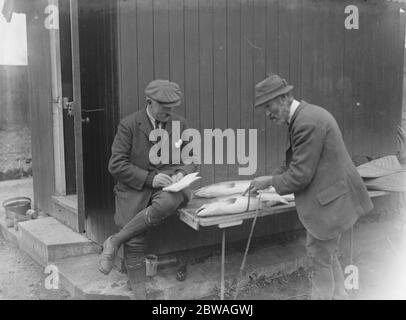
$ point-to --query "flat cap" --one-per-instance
(165, 92)
(270, 88)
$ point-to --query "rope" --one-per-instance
(247, 246)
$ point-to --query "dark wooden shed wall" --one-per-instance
(218, 50)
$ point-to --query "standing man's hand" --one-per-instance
(177, 176)
(260, 183)
(161, 180)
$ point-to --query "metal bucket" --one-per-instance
(151, 264)
(16, 206)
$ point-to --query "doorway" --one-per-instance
(84, 76)
(63, 30)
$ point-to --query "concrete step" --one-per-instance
(80, 276)
(47, 240)
(65, 209)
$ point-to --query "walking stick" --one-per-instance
(247, 246)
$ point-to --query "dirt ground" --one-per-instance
(381, 277)
(23, 279)
(381, 267)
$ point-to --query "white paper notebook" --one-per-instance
(183, 183)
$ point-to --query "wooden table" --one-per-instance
(188, 216)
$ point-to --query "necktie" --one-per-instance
(159, 124)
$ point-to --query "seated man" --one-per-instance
(140, 201)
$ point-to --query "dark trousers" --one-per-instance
(132, 235)
(327, 276)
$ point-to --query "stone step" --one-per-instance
(47, 240)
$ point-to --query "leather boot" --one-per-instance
(135, 265)
(136, 226)
(108, 256)
(133, 228)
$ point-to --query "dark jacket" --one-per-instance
(130, 165)
(329, 193)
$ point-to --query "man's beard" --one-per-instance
(283, 116)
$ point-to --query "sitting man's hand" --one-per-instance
(260, 183)
(177, 176)
(161, 180)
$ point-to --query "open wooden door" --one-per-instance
(76, 110)
(95, 108)
(62, 22)
(85, 78)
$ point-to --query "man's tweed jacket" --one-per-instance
(329, 193)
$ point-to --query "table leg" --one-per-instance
(223, 255)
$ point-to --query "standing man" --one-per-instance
(140, 201)
(329, 193)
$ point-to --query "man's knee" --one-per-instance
(319, 254)
(136, 244)
(167, 201)
(321, 251)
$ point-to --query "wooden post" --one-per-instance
(57, 111)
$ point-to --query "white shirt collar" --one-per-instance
(152, 119)
(293, 107)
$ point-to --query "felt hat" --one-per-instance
(270, 88)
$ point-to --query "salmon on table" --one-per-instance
(238, 204)
(225, 188)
